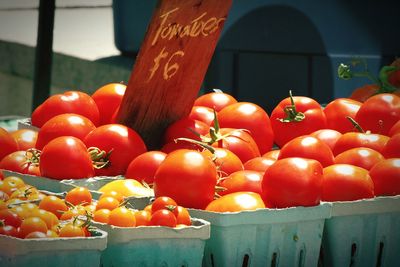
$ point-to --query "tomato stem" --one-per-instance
(355, 124)
(100, 158)
(292, 115)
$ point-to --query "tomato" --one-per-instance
(242, 181)
(379, 113)
(20, 161)
(163, 217)
(394, 78)
(182, 171)
(296, 116)
(142, 217)
(260, 164)
(109, 203)
(203, 114)
(72, 230)
(25, 138)
(225, 160)
(36, 234)
(360, 156)
(66, 157)
(54, 205)
(328, 136)
(308, 147)
(144, 166)
(392, 147)
(122, 217)
(364, 92)
(163, 202)
(272, 154)
(355, 139)
(7, 143)
(72, 214)
(114, 194)
(126, 187)
(185, 128)
(292, 182)
(338, 110)
(179, 144)
(48, 217)
(102, 215)
(121, 145)
(8, 230)
(32, 224)
(345, 182)
(251, 117)
(395, 129)
(9, 217)
(51, 234)
(79, 196)
(64, 125)
(216, 100)
(68, 102)
(8, 186)
(238, 201)
(108, 99)
(183, 216)
(386, 177)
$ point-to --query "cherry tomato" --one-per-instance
(54, 205)
(225, 160)
(238, 201)
(102, 215)
(184, 169)
(183, 216)
(20, 161)
(355, 139)
(122, 217)
(395, 129)
(8, 230)
(121, 144)
(48, 217)
(25, 138)
(71, 214)
(7, 143)
(242, 181)
(308, 147)
(142, 217)
(290, 120)
(364, 92)
(386, 177)
(109, 203)
(328, 136)
(36, 234)
(260, 164)
(215, 100)
(64, 125)
(292, 182)
(113, 194)
(108, 98)
(392, 147)
(32, 224)
(379, 113)
(360, 156)
(72, 230)
(251, 117)
(338, 110)
(163, 202)
(126, 187)
(10, 218)
(79, 196)
(8, 186)
(66, 157)
(185, 128)
(163, 217)
(144, 166)
(203, 114)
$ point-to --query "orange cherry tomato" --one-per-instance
(238, 201)
(122, 217)
(32, 224)
(79, 196)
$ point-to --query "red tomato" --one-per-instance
(290, 120)
(121, 144)
(67, 124)
(225, 160)
(7, 143)
(10, 218)
(180, 173)
(251, 117)
(392, 147)
(183, 216)
(386, 177)
(394, 78)
(179, 144)
(8, 230)
(108, 98)
(215, 100)
(203, 114)
(163, 218)
(364, 92)
(25, 138)
(338, 110)
(238, 201)
(360, 156)
(344, 182)
(260, 164)
(379, 113)
(163, 202)
(20, 161)
(65, 157)
(292, 182)
(68, 102)
(395, 129)
(327, 136)
(144, 166)
(185, 128)
(351, 140)
(242, 181)
(272, 154)
(308, 147)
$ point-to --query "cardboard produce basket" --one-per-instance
(265, 237)
(363, 233)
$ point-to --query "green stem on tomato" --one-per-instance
(292, 115)
(355, 124)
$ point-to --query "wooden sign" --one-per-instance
(171, 65)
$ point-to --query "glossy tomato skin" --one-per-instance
(122, 142)
(260, 164)
(336, 112)
(355, 139)
(18, 161)
(249, 116)
(345, 182)
(203, 114)
(395, 129)
(7, 143)
(292, 182)
(68, 102)
(242, 181)
(392, 147)
(308, 147)
(108, 99)
(225, 161)
(67, 124)
(144, 166)
(65, 157)
(364, 92)
(379, 113)
(25, 138)
(359, 156)
(238, 201)
(215, 100)
(328, 136)
(182, 171)
(185, 127)
(285, 131)
(386, 177)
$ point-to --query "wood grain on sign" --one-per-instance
(171, 65)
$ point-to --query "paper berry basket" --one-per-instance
(265, 237)
(363, 233)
